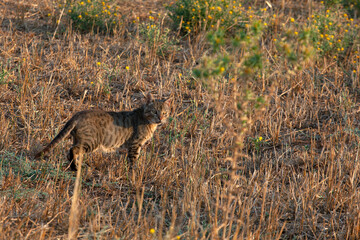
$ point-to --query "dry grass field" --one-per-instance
(262, 141)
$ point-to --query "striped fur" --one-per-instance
(97, 129)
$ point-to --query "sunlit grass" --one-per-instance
(262, 141)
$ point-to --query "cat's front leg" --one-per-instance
(133, 154)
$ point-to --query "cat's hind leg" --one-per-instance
(74, 152)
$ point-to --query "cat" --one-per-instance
(97, 129)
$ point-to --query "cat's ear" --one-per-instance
(167, 101)
(149, 98)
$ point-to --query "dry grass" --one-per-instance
(301, 183)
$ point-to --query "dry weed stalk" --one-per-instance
(74, 217)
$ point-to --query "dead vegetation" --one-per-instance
(299, 182)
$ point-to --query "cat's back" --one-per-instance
(100, 118)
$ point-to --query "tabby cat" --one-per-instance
(97, 129)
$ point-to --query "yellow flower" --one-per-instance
(193, 9)
(103, 3)
(292, 19)
(152, 231)
(275, 40)
(127, 68)
(92, 83)
(335, 57)
(88, 1)
(265, 24)
(209, 17)
(98, 63)
(231, 12)
(80, 16)
(354, 71)
(115, 14)
(69, 11)
(96, 15)
(260, 139)
(219, 9)
(177, 237)
(49, 14)
(81, 3)
(222, 69)
(296, 33)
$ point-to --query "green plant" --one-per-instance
(3, 75)
(157, 37)
(92, 15)
(195, 15)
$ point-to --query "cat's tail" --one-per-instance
(65, 131)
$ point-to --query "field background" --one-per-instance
(254, 149)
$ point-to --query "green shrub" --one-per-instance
(195, 15)
(157, 37)
(91, 15)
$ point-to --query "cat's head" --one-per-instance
(156, 111)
